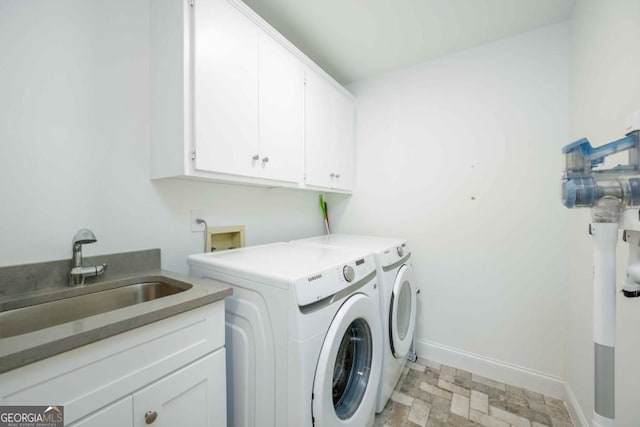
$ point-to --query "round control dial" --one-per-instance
(400, 251)
(348, 273)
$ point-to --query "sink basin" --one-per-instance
(40, 316)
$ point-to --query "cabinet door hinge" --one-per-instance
(193, 153)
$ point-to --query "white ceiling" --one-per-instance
(357, 39)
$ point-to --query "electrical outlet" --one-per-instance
(195, 214)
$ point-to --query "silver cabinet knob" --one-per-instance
(150, 417)
(265, 159)
(337, 175)
(255, 157)
(332, 174)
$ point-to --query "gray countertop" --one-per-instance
(30, 347)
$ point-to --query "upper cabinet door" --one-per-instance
(344, 142)
(329, 138)
(225, 89)
(281, 114)
(319, 132)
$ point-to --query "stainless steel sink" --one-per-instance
(44, 315)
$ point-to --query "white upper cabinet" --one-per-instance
(249, 93)
(329, 137)
(228, 102)
(344, 142)
(225, 89)
(318, 131)
(281, 113)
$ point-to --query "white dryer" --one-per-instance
(303, 334)
(398, 295)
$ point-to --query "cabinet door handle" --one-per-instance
(332, 174)
(337, 175)
(150, 417)
(255, 157)
(265, 160)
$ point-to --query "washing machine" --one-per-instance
(303, 334)
(398, 296)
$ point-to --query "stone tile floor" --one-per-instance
(430, 394)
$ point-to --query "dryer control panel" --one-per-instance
(394, 254)
(324, 284)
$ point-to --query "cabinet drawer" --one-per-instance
(193, 396)
(116, 414)
(93, 376)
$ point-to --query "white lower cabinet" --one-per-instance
(117, 414)
(169, 373)
(194, 396)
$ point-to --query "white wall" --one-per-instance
(605, 86)
(462, 156)
(74, 144)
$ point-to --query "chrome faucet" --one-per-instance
(78, 272)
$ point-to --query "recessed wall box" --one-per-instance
(223, 238)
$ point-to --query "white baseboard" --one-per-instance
(494, 369)
(579, 420)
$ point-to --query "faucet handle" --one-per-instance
(78, 274)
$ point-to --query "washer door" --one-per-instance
(348, 370)
(402, 312)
